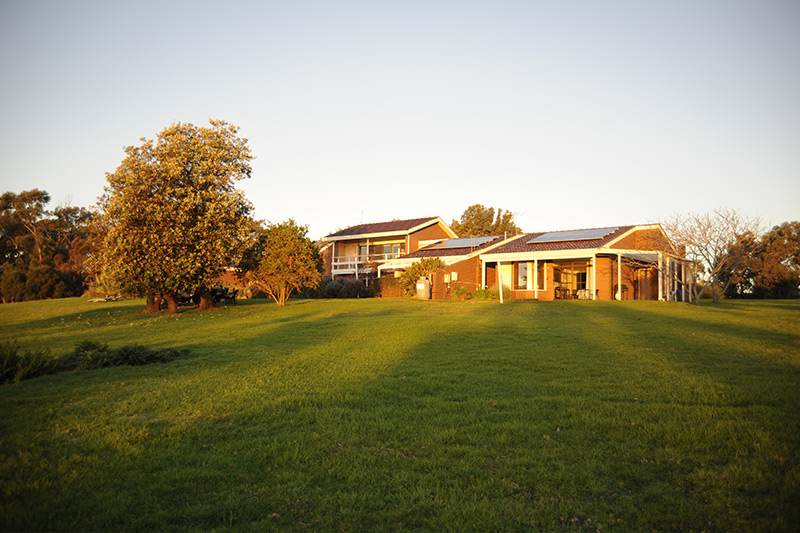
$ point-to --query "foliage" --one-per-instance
(171, 219)
(387, 287)
(17, 364)
(41, 252)
(707, 239)
(426, 266)
(377, 415)
(771, 265)
(91, 354)
(480, 221)
(346, 288)
(484, 294)
(460, 294)
(281, 261)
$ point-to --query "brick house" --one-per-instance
(624, 263)
(360, 250)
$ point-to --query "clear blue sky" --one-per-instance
(571, 114)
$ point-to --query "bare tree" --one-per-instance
(707, 239)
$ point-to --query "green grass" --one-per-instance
(406, 415)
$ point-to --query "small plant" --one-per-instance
(484, 294)
(89, 354)
(17, 365)
(460, 294)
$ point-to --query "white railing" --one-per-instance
(351, 262)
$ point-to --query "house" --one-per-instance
(462, 257)
(359, 250)
(623, 263)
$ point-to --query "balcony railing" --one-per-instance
(352, 262)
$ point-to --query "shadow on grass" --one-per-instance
(404, 416)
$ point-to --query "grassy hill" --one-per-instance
(406, 415)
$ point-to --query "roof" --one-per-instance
(522, 243)
(436, 249)
(401, 227)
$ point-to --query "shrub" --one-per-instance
(346, 288)
(424, 267)
(460, 293)
(484, 294)
(89, 354)
(506, 293)
(16, 364)
(387, 287)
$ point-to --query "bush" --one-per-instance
(89, 354)
(484, 294)
(460, 294)
(16, 364)
(506, 293)
(346, 288)
(387, 287)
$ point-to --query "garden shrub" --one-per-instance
(460, 293)
(387, 287)
(17, 364)
(484, 294)
(346, 288)
(89, 354)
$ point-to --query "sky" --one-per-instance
(575, 114)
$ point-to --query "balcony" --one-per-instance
(351, 264)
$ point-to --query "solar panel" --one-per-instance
(466, 242)
(573, 235)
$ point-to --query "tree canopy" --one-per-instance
(770, 266)
(281, 261)
(171, 217)
(41, 251)
(480, 221)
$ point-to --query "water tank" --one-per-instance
(423, 288)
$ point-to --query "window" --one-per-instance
(520, 275)
(580, 278)
(397, 249)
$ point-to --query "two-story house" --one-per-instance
(358, 250)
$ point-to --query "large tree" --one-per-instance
(771, 266)
(281, 261)
(480, 221)
(41, 251)
(172, 219)
(707, 239)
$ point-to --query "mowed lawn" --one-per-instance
(392, 415)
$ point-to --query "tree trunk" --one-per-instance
(206, 300)
(172, 304)
(153, 303)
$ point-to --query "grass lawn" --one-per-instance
(406, 415)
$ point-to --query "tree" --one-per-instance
(427, 266)
(771, 268)
(42, 252)
(281, 260)
(480, 221)
(171, 218)
(707, 239)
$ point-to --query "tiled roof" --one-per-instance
(448, 252)
(520, 244)
(399, 226)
